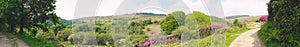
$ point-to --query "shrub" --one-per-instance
(282, 27)
(148, 29)
(170, 23)
(263, 18)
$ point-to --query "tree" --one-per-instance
(9, 13)
(236, 22)
(28, 13)
(197, 20)
(172, 21)
(282, 27)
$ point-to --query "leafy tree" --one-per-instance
(28, 13)
(282, 27)
(236, 22)
(136, 28)
(8, 11)
(169, 26)
(172, 21)
(64, 34)
(197, 20)
(196, 23)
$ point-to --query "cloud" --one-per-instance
(108, 7)
(65, 8)
(247, 7)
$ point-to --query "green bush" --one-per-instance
(64, 34)
(148, 29)
(282, 27)
(170, 23)
(104, 39)
(35, 42)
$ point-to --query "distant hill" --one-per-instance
(150, 14)
(236, 16)
(108, 18)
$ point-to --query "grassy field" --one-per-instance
(34, 42)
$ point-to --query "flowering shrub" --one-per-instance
(207, 30)
(148, 42)
(169, 39)
(263, 18)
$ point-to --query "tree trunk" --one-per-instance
(22, 19)
(12, 27)
(21, 29)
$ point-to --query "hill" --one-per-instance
(236, 16)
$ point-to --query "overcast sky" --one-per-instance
(65, 8)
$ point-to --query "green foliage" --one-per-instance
(136, 28)
(148, 29)
(172, 21)
(4, 27)
(147, 22)
(137, 38)
(64, 34)
(28, 14)
(202, 20)
(104, 39)
(197, 22)
(34, 42)
(282, 27)
(237, 23)
(169, 26)
(206, 42)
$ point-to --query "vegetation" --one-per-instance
(206, 42)
(33, 21)
(169, 23)
(36, 42)
(282, 27)
(237, 23)
(36, 23)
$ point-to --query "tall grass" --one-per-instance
(34, 42)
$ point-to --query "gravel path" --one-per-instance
(248, 39)
(9, 40)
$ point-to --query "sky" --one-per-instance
(65, 8)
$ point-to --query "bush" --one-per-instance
(148, 29)
(169, 26)
(282, 27)
(64, 34)
(170, 23)
(104, 39)
(263, 18)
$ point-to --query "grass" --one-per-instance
(263, 36)
(34, 42)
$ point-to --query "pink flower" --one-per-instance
(147, 43)
(263, 18)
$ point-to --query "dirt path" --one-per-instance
(248, 39)
(9, 40)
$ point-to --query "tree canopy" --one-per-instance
(28, 13)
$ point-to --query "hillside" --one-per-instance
(236, 16)
(108, 18)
